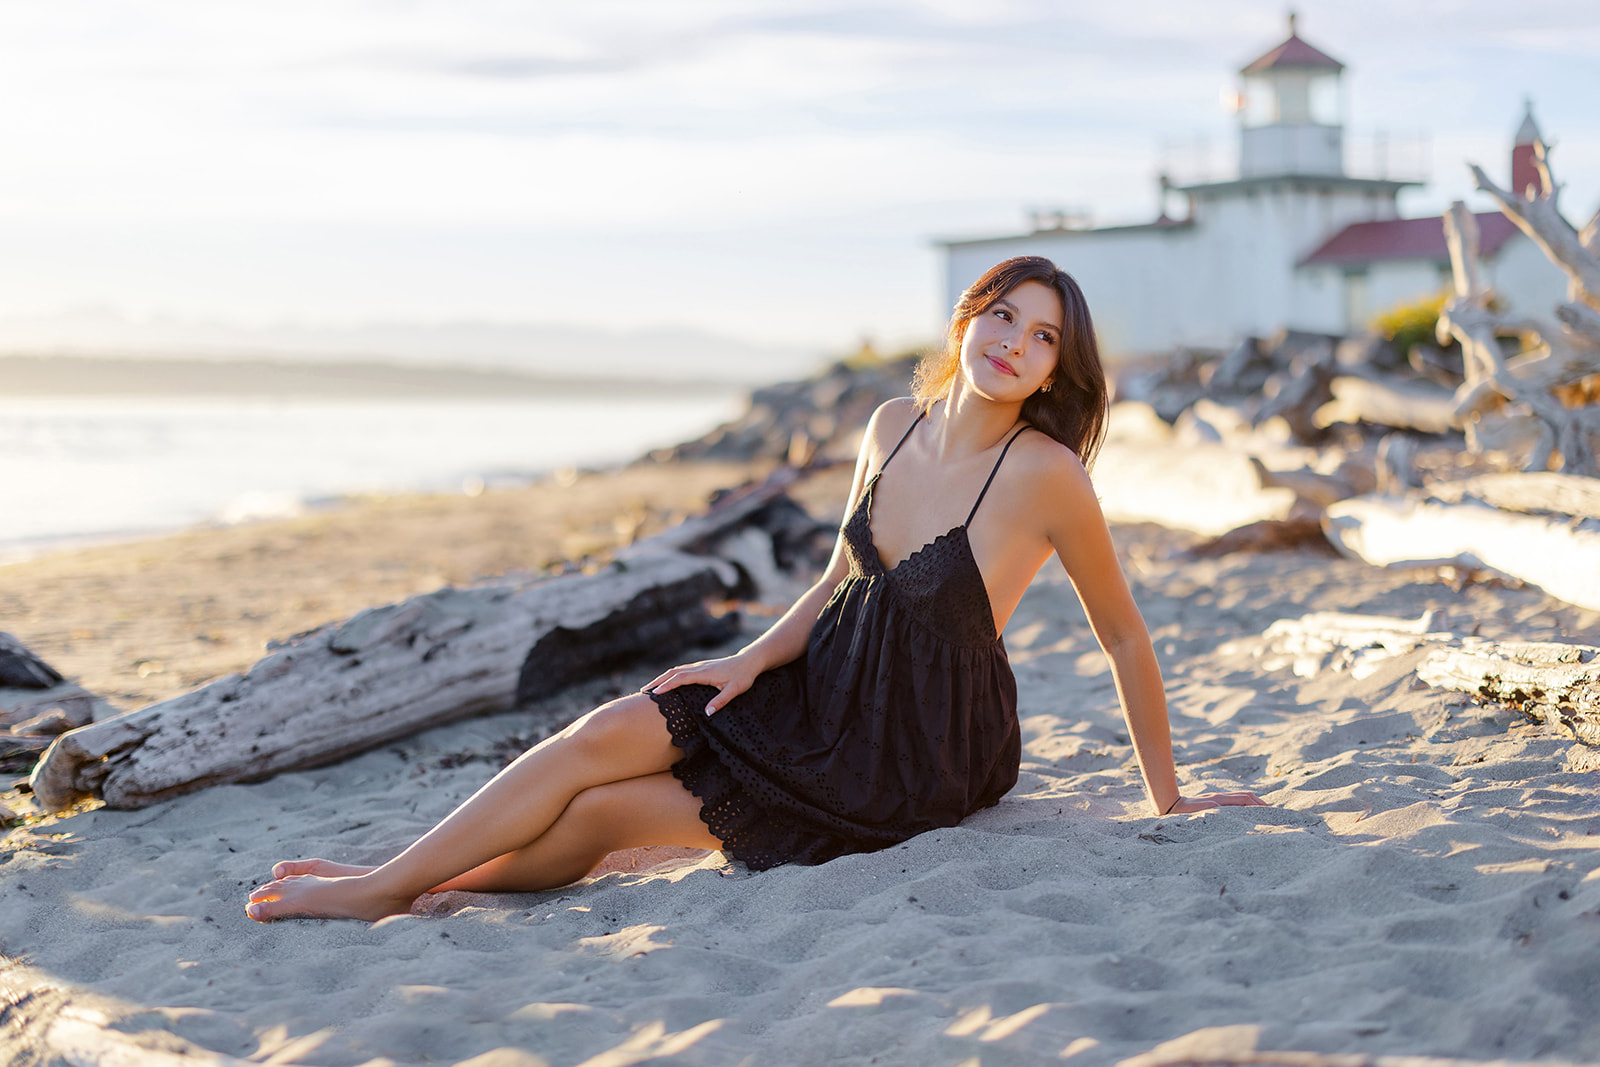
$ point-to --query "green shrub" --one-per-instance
(1412, 322)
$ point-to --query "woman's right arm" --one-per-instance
(786, 639)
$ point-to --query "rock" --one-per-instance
(1243, 370)
(821, 416)
(21, 669)
(8, 818)
(1442, 365)
(1295, 394)
(1368, 352)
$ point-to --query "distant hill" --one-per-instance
(541, 350)
(34, 376)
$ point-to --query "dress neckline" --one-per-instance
(958, 532)
(868, 498)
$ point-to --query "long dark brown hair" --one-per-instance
(1073, 409)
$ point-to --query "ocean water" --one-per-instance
(74, 469)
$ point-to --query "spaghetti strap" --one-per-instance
(904, 438)
(992, 473)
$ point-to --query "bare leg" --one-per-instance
(654, 809)
(621, 740)
(650, 810)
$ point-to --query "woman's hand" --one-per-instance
(731, 675)
(1207, 801)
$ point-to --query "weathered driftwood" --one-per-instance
(21, 707)
(1297, 394)
(696, 532)
(1533, 491)
(1314, 488)
(382, 674)
(1559, 353)
(1555, 683)
(1396, 464)
(1205, 488)
(1561, 556)
(1407, 405)
(1332, 640)
(1439, 365)
(391, 671)
(1209, 421)
(1267, 535)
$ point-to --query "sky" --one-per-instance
(772, 173)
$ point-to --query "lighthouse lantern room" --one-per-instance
(1290, 121)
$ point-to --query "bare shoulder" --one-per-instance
(890, 422)
(1046, 462)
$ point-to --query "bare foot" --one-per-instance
(325, 868)
(308, 896)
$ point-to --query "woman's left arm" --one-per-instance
(1077, 531)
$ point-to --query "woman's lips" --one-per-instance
(1003, 368)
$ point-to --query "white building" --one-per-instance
(1292, 241)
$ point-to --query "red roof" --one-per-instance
(1293, 53)
(1385, 239)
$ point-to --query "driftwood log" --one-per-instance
(1295, 395)
(1553, 682)
(1208, 489)
(1534, 492)
(1333, 640)
(1559, 555)
(391, 671)
(1422, 406)
(1557, 354)
(1317, 489)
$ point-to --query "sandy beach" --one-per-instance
(1425, 883)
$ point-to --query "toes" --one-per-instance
(265, 891)
(289, 867)
(265, 911)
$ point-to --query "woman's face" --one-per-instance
(1010, 350)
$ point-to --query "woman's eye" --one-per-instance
(1003, 314)
(1046, 338)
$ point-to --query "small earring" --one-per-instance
(1045, 388)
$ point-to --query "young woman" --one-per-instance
(881, 705)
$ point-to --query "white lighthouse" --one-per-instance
(1293, 239)
(1290, 121)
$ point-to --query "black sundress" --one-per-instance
(899, 718)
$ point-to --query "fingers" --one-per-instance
(728, 691)
(1207, 801)
(681, 675)
(691, 674)
(1240, 799)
